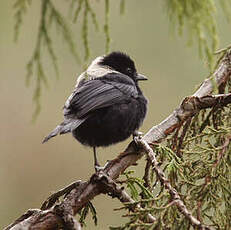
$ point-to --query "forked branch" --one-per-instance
(62, 214)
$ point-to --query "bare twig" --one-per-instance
(51, 200)
(114, 190)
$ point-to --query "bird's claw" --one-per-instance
(101, 168)
(98, 168)
(137, 136)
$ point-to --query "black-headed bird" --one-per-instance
(107, 105)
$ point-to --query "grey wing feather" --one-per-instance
(91, 105)
(96, 94)
(65, 127)
(91, 92)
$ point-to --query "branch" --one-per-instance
(81, 195)
(174, 120)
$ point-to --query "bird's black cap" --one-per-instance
(122, 63)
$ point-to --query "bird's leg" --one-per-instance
(96, 163)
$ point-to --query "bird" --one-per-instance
(107, 105)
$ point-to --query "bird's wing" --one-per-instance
(99, 93)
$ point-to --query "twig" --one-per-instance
(174, 194)
(50, 201)
(146, 174)
(185, 128)
(221, 153)
(223, 49)
(113, 190)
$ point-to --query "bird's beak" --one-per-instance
(141, 77)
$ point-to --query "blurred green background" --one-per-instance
(30, 171)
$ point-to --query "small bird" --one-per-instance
(107, 105)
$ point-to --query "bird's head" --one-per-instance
(122, 63)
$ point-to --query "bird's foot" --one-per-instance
(98, 168)
(101, 168)
(137, 136)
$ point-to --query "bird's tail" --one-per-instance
(65, 127)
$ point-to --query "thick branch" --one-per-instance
(190, 106)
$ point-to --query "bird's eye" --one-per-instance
(129, 70)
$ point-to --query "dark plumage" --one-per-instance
(107, 105)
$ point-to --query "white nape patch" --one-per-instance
(95, 70)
